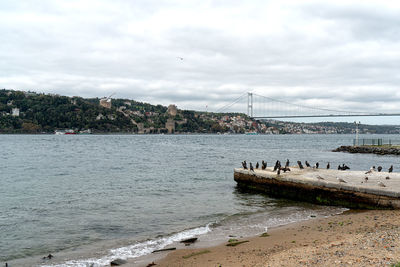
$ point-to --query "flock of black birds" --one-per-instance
(278, 166)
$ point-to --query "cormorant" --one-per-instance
(391, 168)
(339, 168)
(379, 168)
(316, 165)
(277, 165)
(308, 164)
(300, 165)
(251, 167)
(328, 166)
(287, 163)
(279, 171)
(244, 164)
(345, 167)
(263, 165)
(257, 165)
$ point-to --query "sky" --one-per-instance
(203, 55)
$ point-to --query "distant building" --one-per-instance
(105, 102)
(100, 117)
(170, 125)
(140, 128)
(172, 110)
(15, 112)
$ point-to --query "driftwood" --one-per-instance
(164, 249)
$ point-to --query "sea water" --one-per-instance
(89, 199)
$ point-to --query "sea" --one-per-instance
(90, 199)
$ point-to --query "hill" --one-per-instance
(30, 112)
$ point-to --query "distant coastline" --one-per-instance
(36, 113)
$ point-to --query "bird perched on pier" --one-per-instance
(279, 171)
(381, 184)
(244, 164)
(277, 165)
(285, 169)
(257, 165)
(287, 163)
(308, 164)
(341, 180)
(320, 178)
(328, 166)
(263, 165)
(345, 167)
(251, 167)
(300, 164)
(317, 165)
(387, 177)
(379, 168)
(391, 168)
(339, 167)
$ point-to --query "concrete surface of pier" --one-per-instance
(303, 184)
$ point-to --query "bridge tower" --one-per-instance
(250, 104)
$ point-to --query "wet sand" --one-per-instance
(362, 238)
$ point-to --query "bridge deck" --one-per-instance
(297, 182)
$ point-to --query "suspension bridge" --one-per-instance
(262, 107)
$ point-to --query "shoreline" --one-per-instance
(353, 238)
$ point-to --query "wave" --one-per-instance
(135, 250)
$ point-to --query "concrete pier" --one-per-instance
(303, 184)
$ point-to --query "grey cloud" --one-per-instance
(339, 55)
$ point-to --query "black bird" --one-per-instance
(308, 164)
(328, 166)
(286, 169)
(387, 178)
(316, 165)
(279, 171)
(257, 165)
(244, 164)
(287, 163)
(277, 165)
(251, 167)
(379, 168)
(300, 165)
(345, 167)
(339, 168)
(263, 165)
(391, 168)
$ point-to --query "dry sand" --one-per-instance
(365, 238)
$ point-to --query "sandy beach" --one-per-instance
(354, 238)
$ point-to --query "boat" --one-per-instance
(67, 131)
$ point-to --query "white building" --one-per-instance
(15, 112)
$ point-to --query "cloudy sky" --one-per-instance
(338, 55)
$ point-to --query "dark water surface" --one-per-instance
(125, 195)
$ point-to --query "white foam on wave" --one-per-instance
(135, 250)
